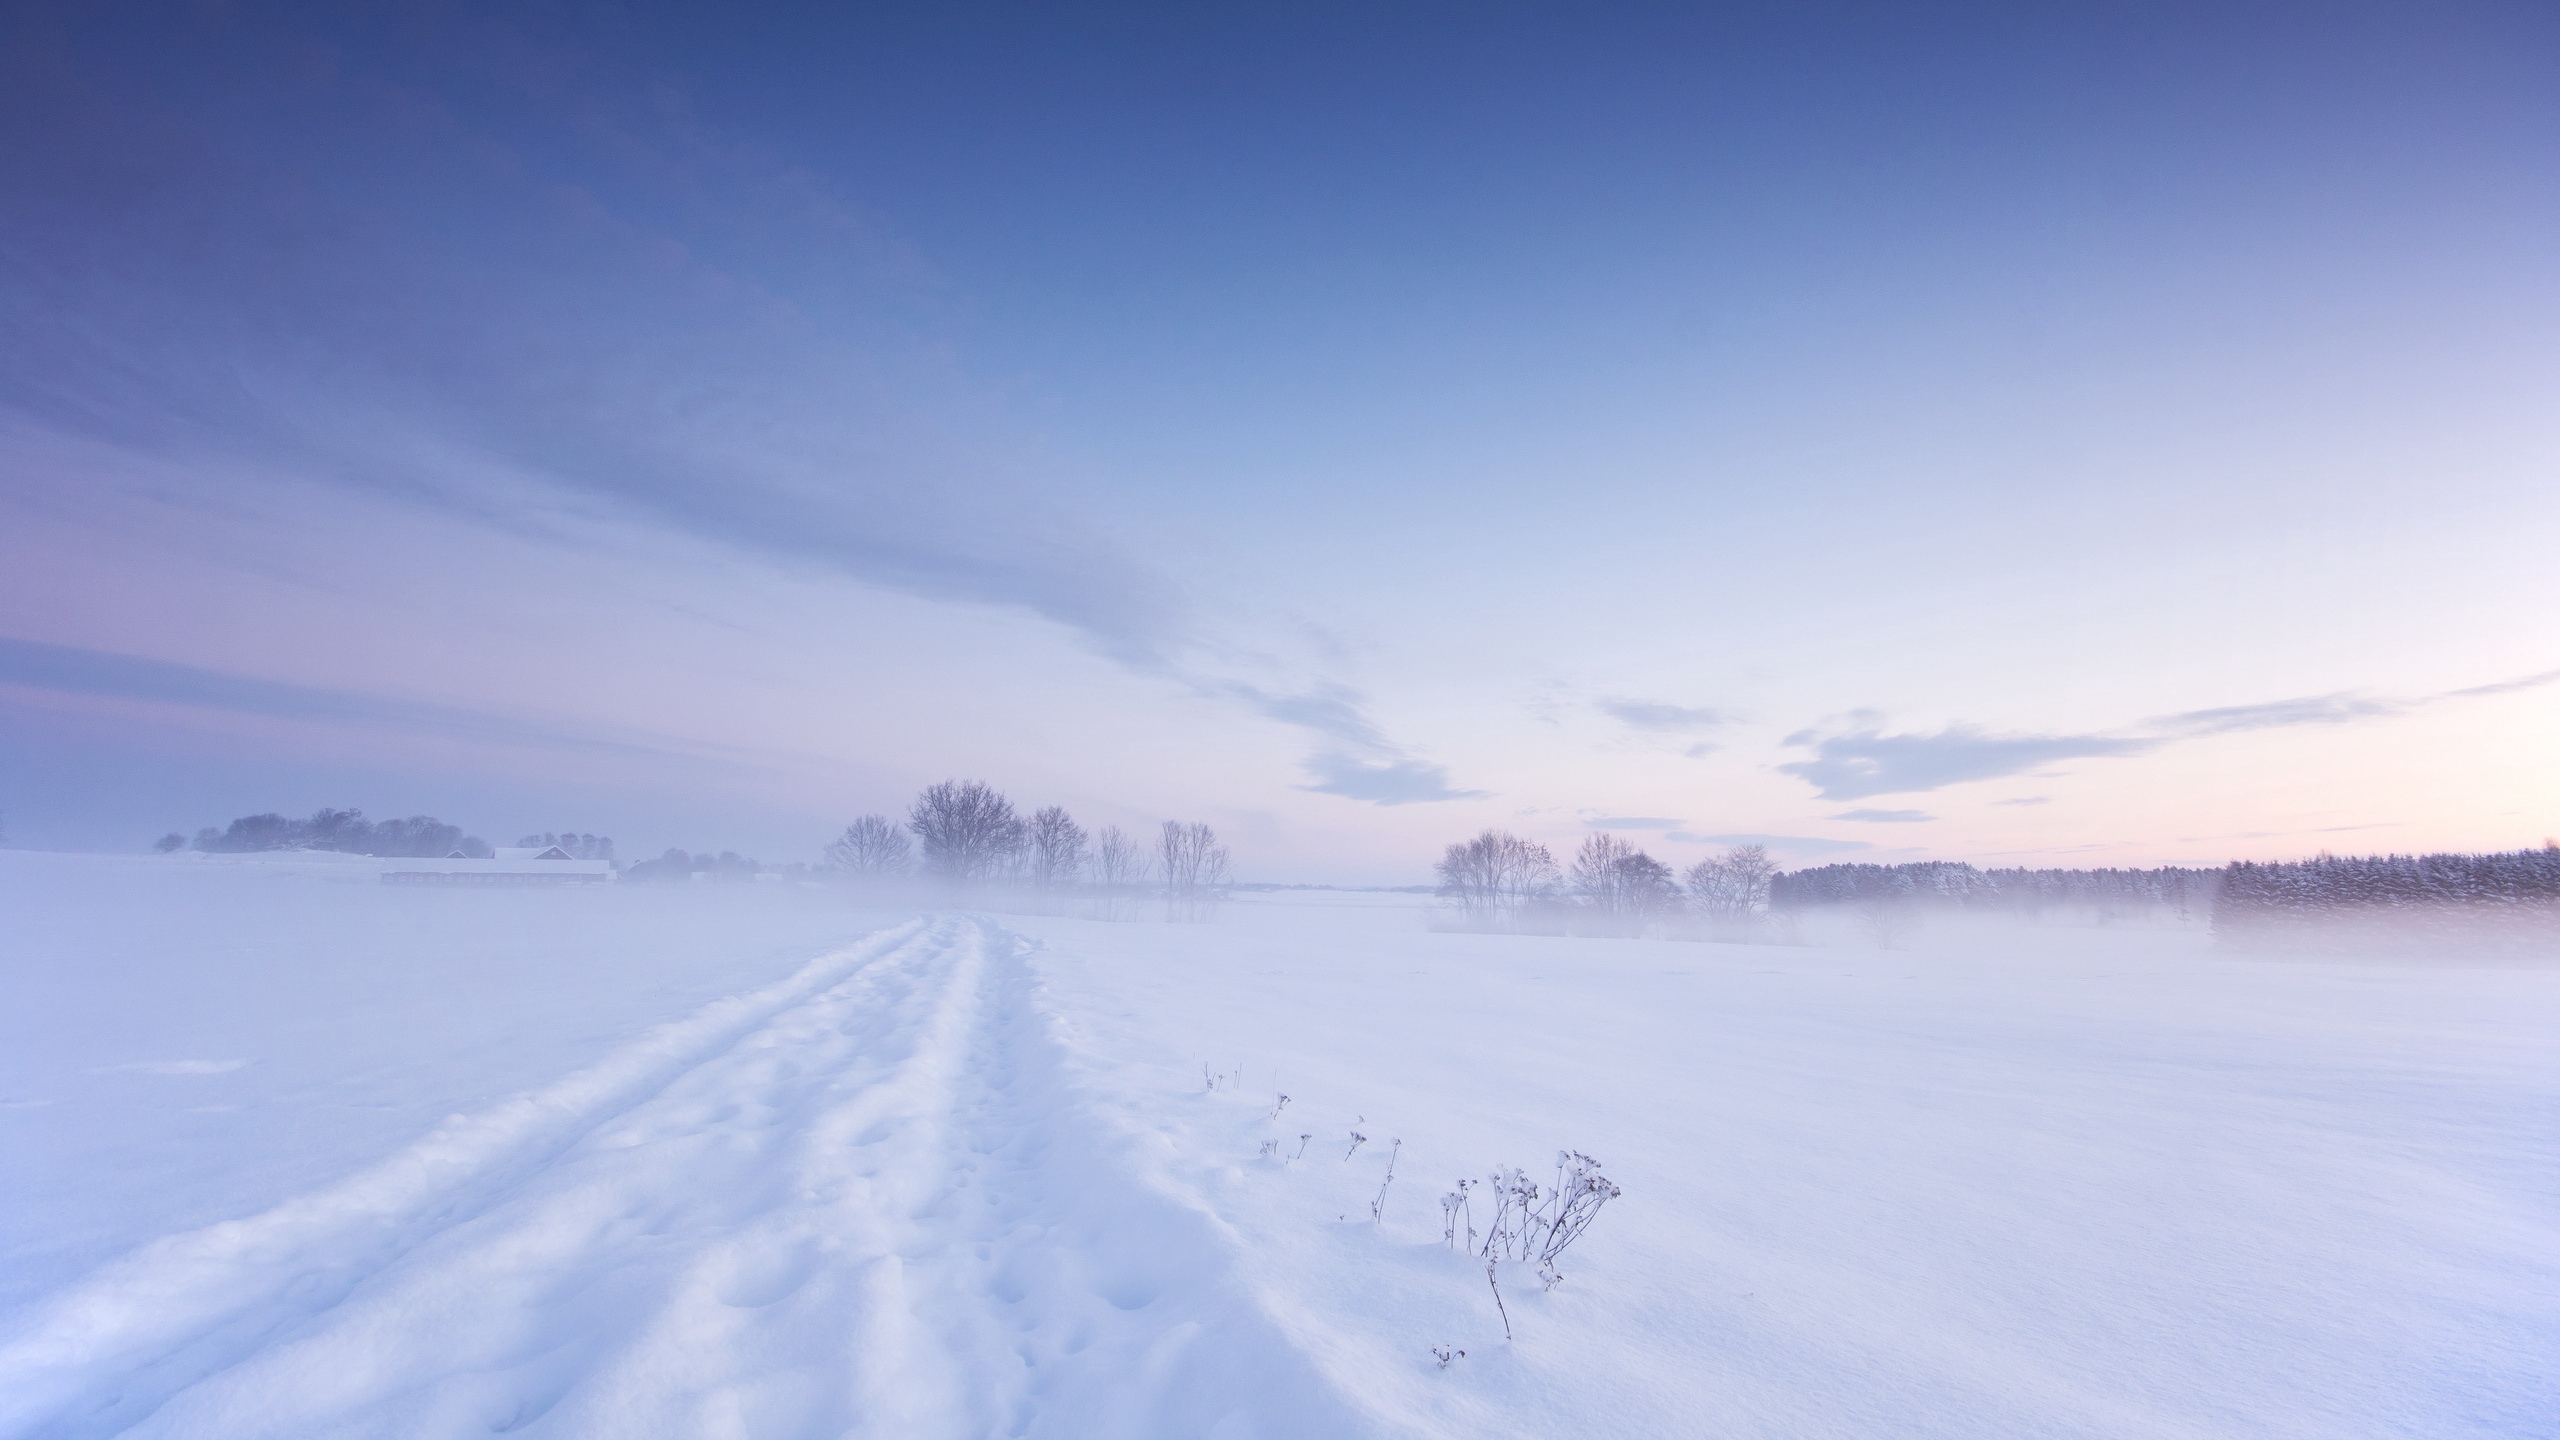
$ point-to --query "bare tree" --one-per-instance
(1492, 876)
(1057, 849)
(1621, 885)
(1195, 868)
(969, 832)
(1119, 866)
(1732, 889)
(1595, 870)
(871, 848)
(1750, 870)
(1117, 860)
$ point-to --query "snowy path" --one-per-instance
(861, 1201)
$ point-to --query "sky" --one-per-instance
(2045, 435)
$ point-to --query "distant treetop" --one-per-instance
(343, 831)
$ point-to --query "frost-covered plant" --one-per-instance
(1534, 1223)
(1302, 1145)
(1378, 1207)
(1575, 1202)
(1515, 1205)
(1455, 1207)
(1277, 1108)
(1357, 1140)
(1446, 1353)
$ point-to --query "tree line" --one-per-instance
(681, 867)
(965, 835)
(2329, 903)
(2509, 900)
(2516, 879)
(578, 846)
(2184, 891)
(343, 831)
(1499, 880)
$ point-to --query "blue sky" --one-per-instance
(2112, 435)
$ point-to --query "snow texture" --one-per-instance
(745, 1161)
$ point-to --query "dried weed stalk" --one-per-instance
(1378, 1207)
(1529, 1222)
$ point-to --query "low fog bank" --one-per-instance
(2504, 906)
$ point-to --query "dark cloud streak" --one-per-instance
(71, 670)
(414, 272)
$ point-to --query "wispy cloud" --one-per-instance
(2507, 687)
(1330, 709)
(1863, 761)
(170, 1067)
(2339, 709)
(1660, 716)
(1886, 817)
(1354, 759)
(1810, 845)
(1634, 822)
(2026, 800)
(1395, 782)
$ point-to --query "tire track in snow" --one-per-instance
(186, 1304)
(875, 1208)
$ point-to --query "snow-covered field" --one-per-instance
(289, 1153)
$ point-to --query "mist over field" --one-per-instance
(1114, 721)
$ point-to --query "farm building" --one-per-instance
(512, 865)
